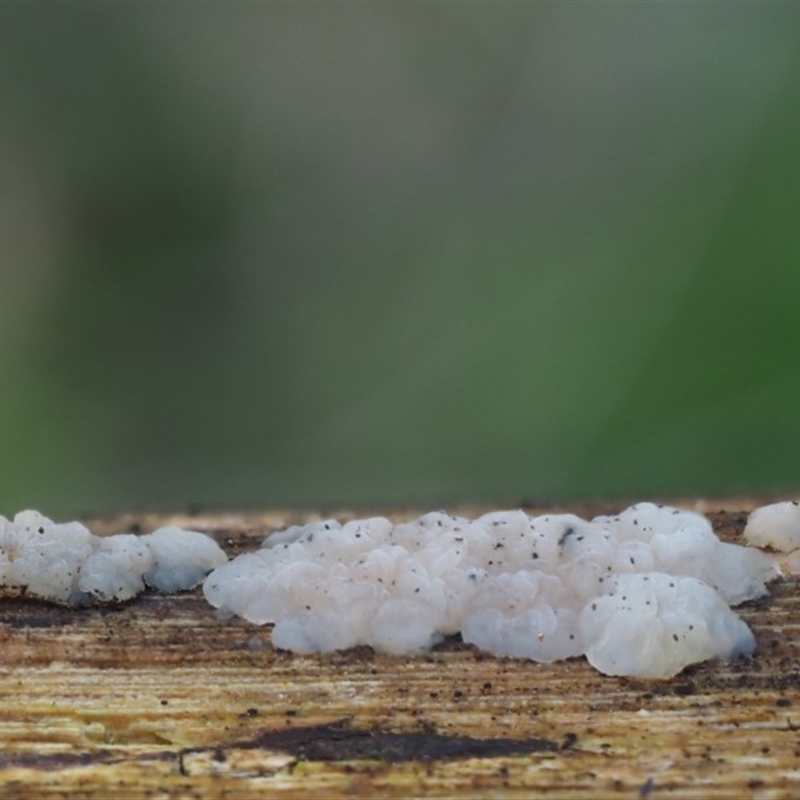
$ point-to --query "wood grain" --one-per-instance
(161, 698)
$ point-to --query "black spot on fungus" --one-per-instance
(570, 531)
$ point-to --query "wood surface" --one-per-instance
(162, 698)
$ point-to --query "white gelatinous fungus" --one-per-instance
(65, 563)
(652, 625)
(181, 559)
(776, 525)
(115, 570)
(642, 593)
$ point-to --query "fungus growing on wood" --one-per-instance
(65, 563)
(643, 593)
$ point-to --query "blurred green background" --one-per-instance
(349, 253)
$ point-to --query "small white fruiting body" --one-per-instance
(643, 593)
(776, 525)
(65, 563)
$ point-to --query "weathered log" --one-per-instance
(161, 697)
